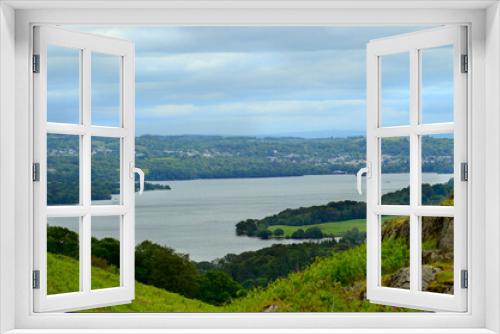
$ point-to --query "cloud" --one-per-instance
(254, 118)
(171, 40)
(247, 80)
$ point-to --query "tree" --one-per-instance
(264, 234)
(217, 287)
(107, 249)
(61, 240)
(299, 234)
(313, 233)
(163, 268)
(279, 232)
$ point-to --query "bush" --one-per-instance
(279, 232)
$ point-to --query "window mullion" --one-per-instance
(85, 174)
(415, 265)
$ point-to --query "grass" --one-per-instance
(61, 278)
(330, 284)
(336, 229)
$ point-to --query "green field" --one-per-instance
(336, 229)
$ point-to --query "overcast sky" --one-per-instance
(305, 81)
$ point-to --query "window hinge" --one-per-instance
(464, 279)
(36, 279)
(464, 171)
(36, 172)
(465, 63)
(36, 63)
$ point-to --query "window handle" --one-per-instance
(141, 179)
(134, 170)
(359, 177)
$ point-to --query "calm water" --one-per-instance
(198, 217)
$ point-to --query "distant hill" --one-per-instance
(202, 157)
(213, 157)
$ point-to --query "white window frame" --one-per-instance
(483, 18)
(412, 44)
(86, 44)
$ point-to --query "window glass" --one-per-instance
(63, 166)
(437, 254)
(395, 261)
(395, 90)
(437, 169)
(105, 252)
(63, 255)
(105, 170)
(63, 84)
(437, 86)
(395, 171)
(106, 89)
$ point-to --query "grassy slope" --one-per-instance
(147, 298)
(331, 228)
(333, 284)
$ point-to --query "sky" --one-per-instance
(258, 81)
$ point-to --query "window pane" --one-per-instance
(395, 90)
(395, 251)
(63, 169)
(105, 170)
(437, 254)
(106, 89)
(437, 84)
(105, 252)
(395, 171)
(437, 169)
(63, 84)
(63, 253)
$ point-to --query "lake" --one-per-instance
(198, 217)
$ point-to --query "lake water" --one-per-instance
(198, 217)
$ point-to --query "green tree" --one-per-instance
(217, 287)
(163, 268)
(61, 240)
(279, 232)
(299, 234)
(264, 234)
(313, 233)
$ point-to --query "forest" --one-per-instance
(203, 157)
(312, 220)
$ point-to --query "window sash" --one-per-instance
(412, 43)
(86, 297)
